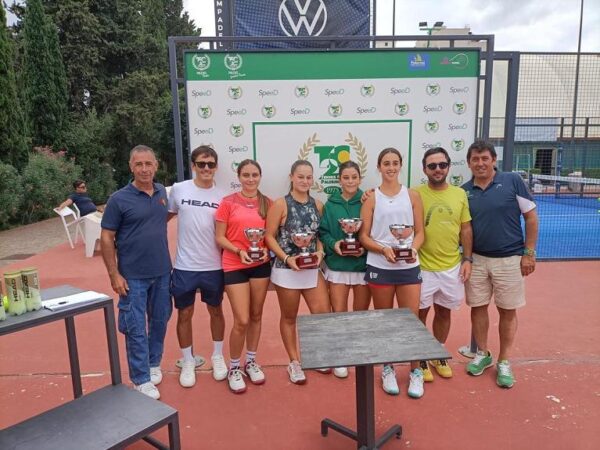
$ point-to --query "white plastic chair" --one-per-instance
(91, 225)
(74, 221)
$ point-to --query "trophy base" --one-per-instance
(403, 254)
(307, 262)
(350, 248)
(255, 255)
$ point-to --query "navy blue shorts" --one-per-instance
(386, 277)
(185, 283)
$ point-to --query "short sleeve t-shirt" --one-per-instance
(445, 212)
(197, 250)
(140, 224)
(496, 212)
(84, 204)
(239, 213)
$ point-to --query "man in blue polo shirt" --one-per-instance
(501, 257)
(135, 223)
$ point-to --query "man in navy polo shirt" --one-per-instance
(135, 223)
(501, 257)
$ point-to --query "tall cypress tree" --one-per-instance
(78, 35)
(44, 76)
(13, 146)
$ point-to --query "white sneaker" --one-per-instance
(219, 367)
(187, 376)
(296, 373)
(236, 380)
(155, 375)
(148, 389)
(388, 378)
(257, 376)
(340, 372)
(415, 387)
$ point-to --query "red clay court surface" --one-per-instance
(555, 403)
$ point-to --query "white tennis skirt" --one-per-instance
(295, 279)
(347, 278)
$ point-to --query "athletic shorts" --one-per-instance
(387, 277)
(184, 285)
(444, 288)
(500, 277)
(244, 275)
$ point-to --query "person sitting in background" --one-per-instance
(83, 202)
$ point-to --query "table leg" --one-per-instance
(73, 356)
(365, 407)
(113, 348)
(174, 441)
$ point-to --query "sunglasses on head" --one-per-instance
(442, 165)
(203, 164)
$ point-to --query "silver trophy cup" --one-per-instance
(302, 240)
(254, 235)
(402, 232)
(350, 246)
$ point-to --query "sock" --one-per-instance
(187, 353)
(217, 348)
(234, 364)
(250, 356)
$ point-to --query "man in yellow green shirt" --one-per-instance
(443, 268)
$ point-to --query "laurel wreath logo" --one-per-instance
(305, 152)
(361, 153)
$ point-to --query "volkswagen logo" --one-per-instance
(294, 15)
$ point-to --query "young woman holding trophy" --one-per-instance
(240, 228)
(345, 258)
(392, 232)
(292, 226)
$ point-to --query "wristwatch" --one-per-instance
(467, 258)
(529, 252)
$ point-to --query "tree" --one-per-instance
(13, 143)
(79, 40)
(44, 76)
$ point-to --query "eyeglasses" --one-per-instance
(203, 164)
(442, 165)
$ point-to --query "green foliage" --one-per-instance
(11, 195)
(13, 144)
(44, 76)
(88, 141)
(47, 182)
(79, 43)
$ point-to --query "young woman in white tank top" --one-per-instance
(393, 203)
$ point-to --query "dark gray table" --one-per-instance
(110, 417)
(362, 339)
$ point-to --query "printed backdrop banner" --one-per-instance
(328, 107)
(301, 18)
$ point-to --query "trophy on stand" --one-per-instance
(350, 246)
(254, 235)
(305, 259)
(402, 232)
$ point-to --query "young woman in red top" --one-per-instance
(246, 280)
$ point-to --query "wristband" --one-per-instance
(285, 259)
(467, 258)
